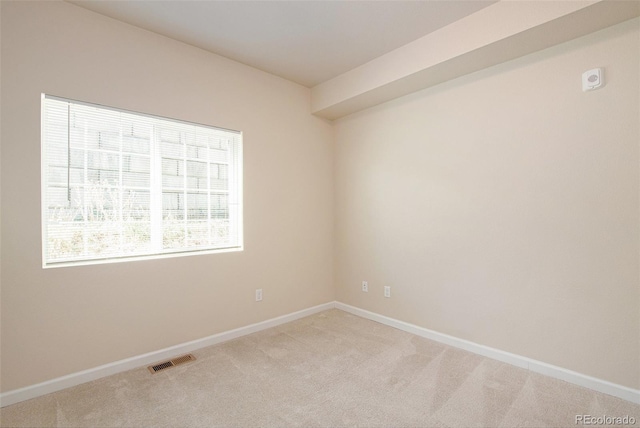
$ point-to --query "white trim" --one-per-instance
(600, 385)
(53, 385)
(33, 391)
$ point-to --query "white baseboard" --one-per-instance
(53, 385)
(33, 391)
(620, 391)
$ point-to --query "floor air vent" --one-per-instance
(168, 364)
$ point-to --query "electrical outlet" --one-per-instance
(259, 295)
(365, 286)
(387, 291)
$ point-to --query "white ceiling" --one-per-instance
(308, 42)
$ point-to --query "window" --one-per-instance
(118, 185)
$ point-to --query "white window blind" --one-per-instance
(117, 185)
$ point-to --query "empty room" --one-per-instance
(320, 213)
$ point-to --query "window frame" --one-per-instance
(156, 191)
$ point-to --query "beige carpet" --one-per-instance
(331, 369)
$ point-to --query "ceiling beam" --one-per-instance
(503, 31)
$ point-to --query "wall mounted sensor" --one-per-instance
(592, 79)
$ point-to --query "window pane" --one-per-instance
(197, 233)
(118, 184)
(173, 234)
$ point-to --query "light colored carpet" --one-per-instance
(331, 369)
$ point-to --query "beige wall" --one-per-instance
(502, 207)
(60, 321)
